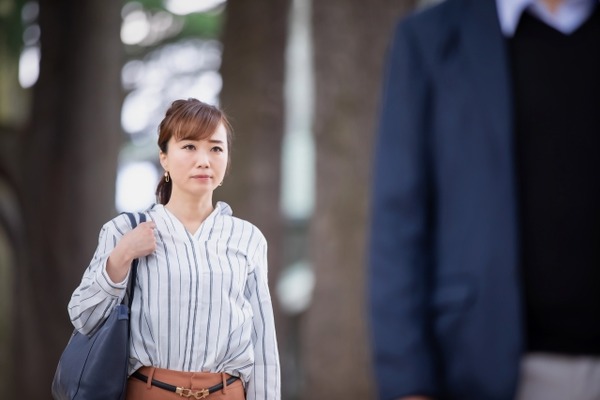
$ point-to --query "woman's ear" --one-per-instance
(162, 157)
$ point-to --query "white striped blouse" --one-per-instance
(201, 300)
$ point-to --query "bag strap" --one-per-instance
(134, 263)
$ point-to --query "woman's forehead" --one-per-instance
(220, 134)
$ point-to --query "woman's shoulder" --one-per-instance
(156, 210)
(240, 224)
(123, 222)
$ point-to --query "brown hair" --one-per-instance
(189, 119)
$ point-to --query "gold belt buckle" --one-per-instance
(197, 394)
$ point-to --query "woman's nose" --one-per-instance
(202, 160)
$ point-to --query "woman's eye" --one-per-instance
(217, 149)
(189, 147)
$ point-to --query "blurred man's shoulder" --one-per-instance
(436, 13)
(434, 25)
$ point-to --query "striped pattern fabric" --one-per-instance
(201, 300)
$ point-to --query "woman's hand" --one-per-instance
(136, 243)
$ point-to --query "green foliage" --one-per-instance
(152, 4)
(11, 26)
(205, 25)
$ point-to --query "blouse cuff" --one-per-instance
(107, 285)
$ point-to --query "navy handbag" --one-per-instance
(95, 367)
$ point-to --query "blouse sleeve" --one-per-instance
(97, 294)
(264, 383)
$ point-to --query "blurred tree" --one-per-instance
(65, 176)
(12, 102)
(253, 74)
(348, 71)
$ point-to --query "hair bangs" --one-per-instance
(196, 124)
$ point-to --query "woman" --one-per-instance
(201, 314)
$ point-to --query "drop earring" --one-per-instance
(167, 177)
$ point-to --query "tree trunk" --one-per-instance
(12, 100)
(68, 168)
(348, 71)
(252, 96)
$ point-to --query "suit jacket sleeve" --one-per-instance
(400, 238)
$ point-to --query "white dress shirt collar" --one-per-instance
(569, 16)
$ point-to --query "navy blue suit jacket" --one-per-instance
(444, 276)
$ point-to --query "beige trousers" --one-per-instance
(558, 377)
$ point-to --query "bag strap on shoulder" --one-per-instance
(134, 263)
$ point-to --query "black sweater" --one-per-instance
(557, 141)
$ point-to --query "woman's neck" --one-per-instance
(552, 5)
(191, 213)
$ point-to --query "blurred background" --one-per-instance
(83, 86)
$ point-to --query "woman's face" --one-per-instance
(196, 167)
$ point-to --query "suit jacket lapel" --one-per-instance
(487, 60)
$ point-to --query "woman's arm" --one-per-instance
(265, 382)
(105, 280)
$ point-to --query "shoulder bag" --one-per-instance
(95, 367)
